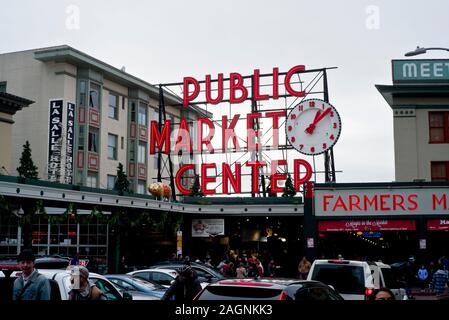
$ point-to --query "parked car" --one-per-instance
(388, 279)
(137, 286)
(355, 280)
(205, 273)
(164, 277)
(352, 279)
(268, 289)
(60, 285)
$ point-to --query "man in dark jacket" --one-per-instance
(31, 285)
(185, 287)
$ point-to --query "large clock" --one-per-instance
(313, 126)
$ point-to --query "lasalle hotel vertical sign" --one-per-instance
(55, 141)
(60, 168)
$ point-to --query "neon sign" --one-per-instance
(236, 93)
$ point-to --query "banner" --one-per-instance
(366, 225)
(70, 136)
(437, 224)
(55, 140)
(207, 227)
(362, 203)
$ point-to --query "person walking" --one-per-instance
(31, 285)
(439, 280)
(185, 287)
(423, 274)
(304, 268)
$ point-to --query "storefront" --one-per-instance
(381, 221)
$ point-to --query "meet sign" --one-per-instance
(423, 70)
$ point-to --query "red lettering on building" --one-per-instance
(441, 202)
(234, 180)
(412, 199)
(160, 139)
(354, 202)
(275, 176)
(205, 179)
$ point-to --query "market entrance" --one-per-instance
(387, 240)
(267, 237)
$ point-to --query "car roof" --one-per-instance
(274, 283)
(164, 270)
(341, 262)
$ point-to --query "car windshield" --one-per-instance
(145, 284)
(344, 278)
(239, 293)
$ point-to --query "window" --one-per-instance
(113, 106)
(141, 187)
(112, 146)
(79, 177)
(111, 182)
(82, 99)
(438, 127)
(122, 143)
(2, 86)
(133, 112)
(81, 138)
(142, 114)
(93, 139)
(439, 170)
(94, 96)
(132, 151)
(142, 152)
(91, 180)
(155, 159)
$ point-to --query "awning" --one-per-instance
(366, 225)
(437, 224)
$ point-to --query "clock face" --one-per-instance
(313, 126)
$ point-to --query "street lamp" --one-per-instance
(419, 50)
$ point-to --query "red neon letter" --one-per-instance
(207, 139)
(275, 115)
(158, 138)
(219, 97)
(196, 90)
(251, 132)
(179, 174)
(183, 141)
(236, 83)
(227, 176)
(256, 95)
(297, 172)
(205, 180)
(275, 177)
(255, 173)
(288, 78)
(275, 83)
(227, 132)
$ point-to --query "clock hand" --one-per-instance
(318, 117)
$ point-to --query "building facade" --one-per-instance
(419, 97)
(88, 117)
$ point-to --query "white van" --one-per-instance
(355, 280)
(352, 279)
(388, 280)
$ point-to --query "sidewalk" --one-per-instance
(420, 292)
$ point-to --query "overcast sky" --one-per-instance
(163, 41)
